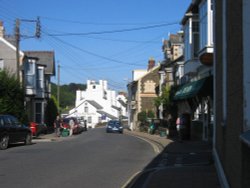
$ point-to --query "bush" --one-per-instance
(142, 117)
(11, 96)
(51, 111)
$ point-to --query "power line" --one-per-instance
(98, 23)
(114, 31)
(91, 53)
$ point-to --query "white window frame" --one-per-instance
(1, 64)
(206, 23)
(30, 73)
(187, 41)
(40, 77)
(203, 22)
(89, 119)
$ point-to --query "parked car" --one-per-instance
(114, 126)
(38, 128)
(12, 131)
(77, 127)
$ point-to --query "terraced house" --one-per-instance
(35, 71)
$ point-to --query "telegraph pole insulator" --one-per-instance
(38, 28)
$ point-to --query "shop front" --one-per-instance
(195, 101)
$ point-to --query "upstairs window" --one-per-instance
(1, 64)
(40, 78)
(203, 18)
(86, 108)
(30, 69)
(195, 33)
(187, 42)
(191, 38)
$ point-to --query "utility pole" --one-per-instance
(58, 86)
(17, 37)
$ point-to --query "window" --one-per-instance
(30, 68)
(187, 51)
(86, 109)
(195, 34)
(1, 64)
(203, 18)
(191, 38)
(38, 114)
(89, 119)
(40, 78)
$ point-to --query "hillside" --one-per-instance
(67, 94)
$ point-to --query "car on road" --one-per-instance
(77, 128)
(114, 126)
(38, 128)
(12, 131)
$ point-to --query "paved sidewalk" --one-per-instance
(187, 164)
(51, 137)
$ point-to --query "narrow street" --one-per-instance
(91, 159)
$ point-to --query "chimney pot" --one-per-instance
(151, 63)
(1, 29)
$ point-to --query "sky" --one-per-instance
(96, 39)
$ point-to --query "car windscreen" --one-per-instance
(66, 120)
(114, 123)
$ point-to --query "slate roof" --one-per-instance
(46, 58)
(115, 107)
(95, 104)
(107, 114)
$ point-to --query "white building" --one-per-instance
(98, 104)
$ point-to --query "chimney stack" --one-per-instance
(151, 63)
(1, 29)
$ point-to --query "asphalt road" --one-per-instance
(92, 159)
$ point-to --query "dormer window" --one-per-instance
(86, 108)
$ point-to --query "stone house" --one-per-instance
(141, 93)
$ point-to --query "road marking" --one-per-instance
(130, 179)
(155, 147)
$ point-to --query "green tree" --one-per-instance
(51, 111)
(11, 96)
(164, 98)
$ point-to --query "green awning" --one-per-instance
(189, 90)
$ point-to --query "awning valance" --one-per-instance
(189, 90)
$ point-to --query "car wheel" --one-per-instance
(4, 142)
(28, 139)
